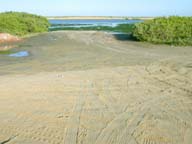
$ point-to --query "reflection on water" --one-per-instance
(115, 33)
(20, 54)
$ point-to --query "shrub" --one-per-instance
(18, 23)
(168, 30)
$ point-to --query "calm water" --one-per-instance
(87, 23)
(20, 54)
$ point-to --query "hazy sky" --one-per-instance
(100, 7)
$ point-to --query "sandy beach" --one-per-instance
(98, 18)
(95, 88)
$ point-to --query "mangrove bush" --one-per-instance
(173, 30)
(19, 23)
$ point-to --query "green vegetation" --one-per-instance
(21, 24)
(172, 30)
(125, 28)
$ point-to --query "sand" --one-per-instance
(92, 88)
(98, 18)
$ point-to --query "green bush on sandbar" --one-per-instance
(19, 23)
(173, 30)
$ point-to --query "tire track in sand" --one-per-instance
(72, 130)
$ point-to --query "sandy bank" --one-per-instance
(97, 18)
(95, 88)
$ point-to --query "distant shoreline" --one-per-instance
(96, 18)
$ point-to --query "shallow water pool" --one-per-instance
(20, 54)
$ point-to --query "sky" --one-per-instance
(100, 7)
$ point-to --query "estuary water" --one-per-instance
(88, 23)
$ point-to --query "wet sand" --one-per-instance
(95, 88)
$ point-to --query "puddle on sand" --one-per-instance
(20, 54)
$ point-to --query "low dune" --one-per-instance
(5, 41)
(5, 37)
